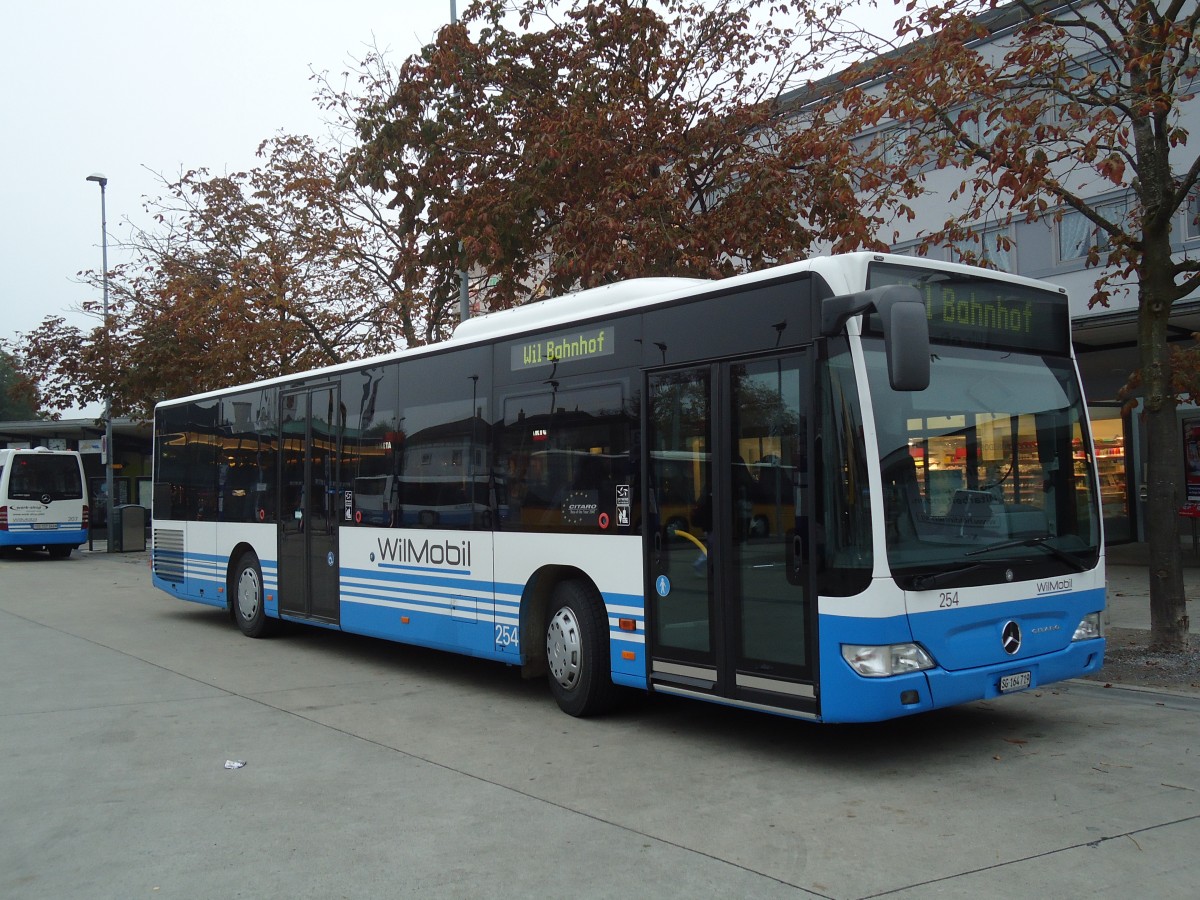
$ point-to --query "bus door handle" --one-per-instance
(795, 561)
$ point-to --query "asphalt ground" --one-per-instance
(377, 770)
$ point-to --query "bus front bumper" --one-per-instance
(849, 697)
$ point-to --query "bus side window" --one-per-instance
(564, 454)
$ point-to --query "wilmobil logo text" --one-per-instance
(443, 553)
(1055, 586)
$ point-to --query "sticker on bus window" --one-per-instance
(581, 507)
(623, 503)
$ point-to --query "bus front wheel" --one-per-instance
(577, 650)
(248, 597)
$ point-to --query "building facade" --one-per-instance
(132, 455)
(1056, 248)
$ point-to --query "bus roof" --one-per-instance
(620, 297)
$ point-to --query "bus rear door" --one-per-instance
(308, 524)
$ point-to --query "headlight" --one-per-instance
(1089, 627)
(888, 659)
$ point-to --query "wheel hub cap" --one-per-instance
(248, 594)
(563, 648)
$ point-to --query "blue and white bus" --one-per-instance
(845, 489)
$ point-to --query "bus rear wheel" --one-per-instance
(577, 651)
(247, 597)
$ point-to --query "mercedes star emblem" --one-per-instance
(1010, 638)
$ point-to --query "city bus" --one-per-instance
(846, 489)
(43, 501)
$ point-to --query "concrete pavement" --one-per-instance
(375, 770)
(1129, 586)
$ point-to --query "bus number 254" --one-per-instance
(507, 636)
(947, 599)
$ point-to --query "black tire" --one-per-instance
(246, 597)
(577, 650)
(60, 551)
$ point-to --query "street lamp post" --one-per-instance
(108, 440)
(464, 296)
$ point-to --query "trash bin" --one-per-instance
(127, 530)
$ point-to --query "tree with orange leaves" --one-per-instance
(1050, 109)
(550, 146)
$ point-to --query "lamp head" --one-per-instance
(98, 178)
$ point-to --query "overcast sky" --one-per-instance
(130, 87)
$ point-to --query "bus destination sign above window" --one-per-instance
(564, 347)
(983, 312)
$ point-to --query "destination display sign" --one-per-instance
(563, 347)
(983, 312)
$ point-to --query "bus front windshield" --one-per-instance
(991, 465)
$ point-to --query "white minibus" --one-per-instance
(43, 500)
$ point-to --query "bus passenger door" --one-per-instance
(729, 595)
(308, 537)
(680, 569)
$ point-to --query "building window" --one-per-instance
(1108, 436)
(1078, 235)
(1191, 225)
(1074, 236)
(991, 248)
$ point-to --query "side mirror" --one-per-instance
(905, 329)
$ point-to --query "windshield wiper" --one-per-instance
(929, 580)
(1040, 542)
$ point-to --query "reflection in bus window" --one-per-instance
(246, 473)
(564, 455)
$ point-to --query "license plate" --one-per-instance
(1017, 682)
(39, 526)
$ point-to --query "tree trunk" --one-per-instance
(1168, 610)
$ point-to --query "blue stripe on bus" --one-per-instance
(202, 578)
(398, 567)
(413, 577)
(627, 672)
(372, 601)
(56, 535)
(384, 593)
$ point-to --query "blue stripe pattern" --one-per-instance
(451, 609)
